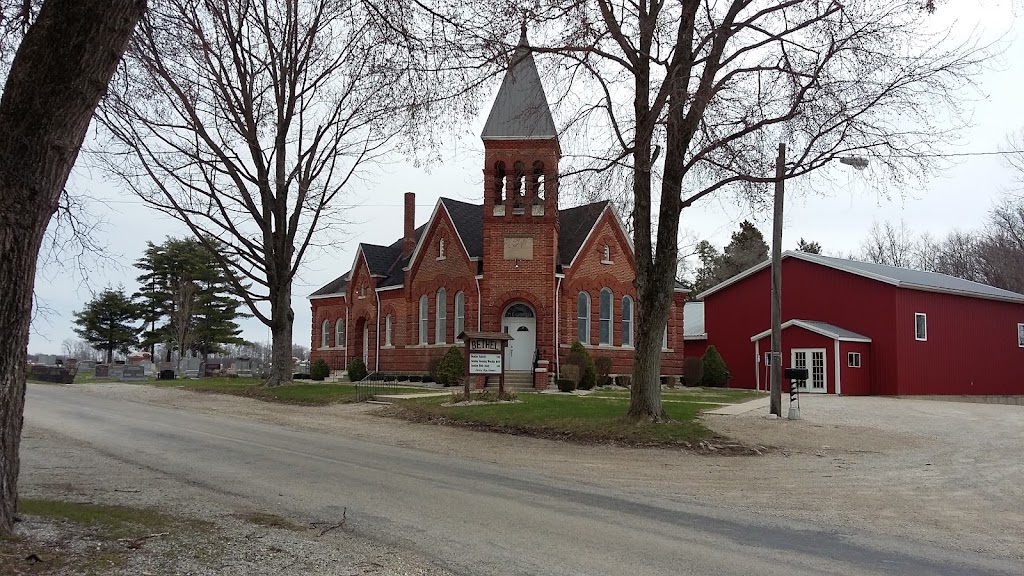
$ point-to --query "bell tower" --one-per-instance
(520, 204)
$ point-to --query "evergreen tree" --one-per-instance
(809, 247)
(108, 322)
(745, 250)
(186, 299)
(707, 274)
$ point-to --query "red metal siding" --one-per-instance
(797, 337)
(809, 292)
(855, 381)
(971, 346)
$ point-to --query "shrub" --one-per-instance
(451, 368)
(357, 370)
(565, 385)
(623, 381)
(603, 364)
(432, 368)
(670, 381)
(319, 370)
(693, 371)
(716, 373)
(300, 376)
(579, 356)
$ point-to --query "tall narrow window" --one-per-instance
(664, 338)
(440, 249)
(441, 323)
(339, 333)
(583, 318)
(387, 330)
(519, 173)
(920, 326)
(627, 321)
(499, 182)
(537, 183)
(325, 334)
(1020, 335)
(423, 319)
(460, 313)
(605, 311)
(606, 254)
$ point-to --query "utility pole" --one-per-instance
(776, 372)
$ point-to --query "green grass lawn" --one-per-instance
(707, 395)
(595, 418)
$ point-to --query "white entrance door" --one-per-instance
(520, 323)
(366, 344)
(813, 359)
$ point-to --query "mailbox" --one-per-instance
(796, 374)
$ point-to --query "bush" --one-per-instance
(432, 368)
(319, 370)
(693, 371)
(716, 373)
(565, 385)
(357, 370)
(300, 376)
(579, 356)
(603, 365)
(451, 368)
(623, 381)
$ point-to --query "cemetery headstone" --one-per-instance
(132, 373)
(211, 370)
(102, 370)
(46, 360)
(243, 367)
(117, 371)
(148, 368)
(87, 366)
(167, 374)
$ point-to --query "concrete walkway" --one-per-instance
(734, 409)
(410, 396)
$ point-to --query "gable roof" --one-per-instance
(574, 226)
(823, 328)
(900, 277)
(520, 110)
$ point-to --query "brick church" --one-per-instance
(515, 263)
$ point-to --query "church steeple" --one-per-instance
(520, 110)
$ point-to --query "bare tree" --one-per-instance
(56, 79)
(1001, 247)
(691, 96)
(247, 120)
(891, 245)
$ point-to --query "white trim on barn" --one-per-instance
(823, 328)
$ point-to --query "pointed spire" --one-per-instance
(520, 110)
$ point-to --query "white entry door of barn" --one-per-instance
(814, 360)
(520, 323)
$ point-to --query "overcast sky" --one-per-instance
(957, 197)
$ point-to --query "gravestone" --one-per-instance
(243, 367)
(161, 366)
(54, 374)
(132, 373)
(46, 360)
(148, 368)
(102, 370)
(87, 366)
(190, 367)
(117, 371)
(302, 367)
(167, 374)
(211, 370)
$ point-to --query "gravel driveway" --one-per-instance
(948, 473)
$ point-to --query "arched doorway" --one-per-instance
(520, 323)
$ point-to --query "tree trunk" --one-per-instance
(281, 337)
(110, 354)
(58, 75)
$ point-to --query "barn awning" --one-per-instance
(823, 328)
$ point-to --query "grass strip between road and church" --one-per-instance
(597, 418)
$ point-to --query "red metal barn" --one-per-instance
(916, 332)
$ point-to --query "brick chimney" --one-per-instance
(409, 237)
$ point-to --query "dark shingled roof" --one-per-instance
(574, 224)
(520, 109)
(469, 222)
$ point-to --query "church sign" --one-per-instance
(484, 363)
(485, 356)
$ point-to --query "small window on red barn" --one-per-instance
(920, 326)
(1020, 335)
(853, 359)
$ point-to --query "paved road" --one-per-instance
(472, 517)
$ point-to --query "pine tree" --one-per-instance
(187, 300)
(745, 250)
(108, 322)
(809, 247)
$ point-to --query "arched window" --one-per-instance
(499, 182)
(583, 318)
(537, 183)
(605, 312)
(606, 254)
(440, 249)
(339, 333)
(387, 330)
(325, 334)
(460, 313)
(519, 173)
(441, 323)
(423, 319)
(627, 321)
